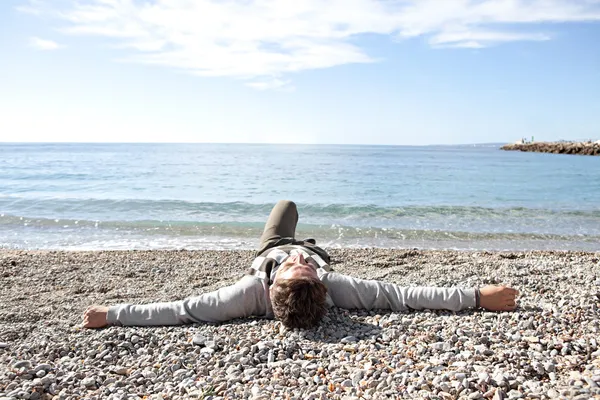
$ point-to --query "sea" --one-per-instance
(218, 196)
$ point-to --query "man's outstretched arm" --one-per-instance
(243, 299)
(348, 292)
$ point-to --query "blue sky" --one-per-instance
(403, 72)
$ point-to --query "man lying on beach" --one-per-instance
(291, 280)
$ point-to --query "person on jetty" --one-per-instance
(291, 280)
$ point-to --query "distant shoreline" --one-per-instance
(578, 148)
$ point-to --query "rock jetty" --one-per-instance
(582, 148)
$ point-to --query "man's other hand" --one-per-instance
(498, 298)
(95, 317)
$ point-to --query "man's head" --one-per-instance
(297, 294)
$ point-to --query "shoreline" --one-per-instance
(546, 348)
(332, 250)
(497, 242)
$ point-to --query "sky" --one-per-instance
(394, 72)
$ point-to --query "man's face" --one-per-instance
(296, 267)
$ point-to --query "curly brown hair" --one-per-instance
(299, 302)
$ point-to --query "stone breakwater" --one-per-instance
(547, 348)
(581, 148)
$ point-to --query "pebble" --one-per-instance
(545, 349)
(439, 346)
(499, 395)
(199, 339)
(88, 381)
(42, 367)
(552, 393)
(22, 364)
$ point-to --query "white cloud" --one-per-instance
(262, 40)
(44, 44)
(480, 39)
(34, 7)
(274, 83)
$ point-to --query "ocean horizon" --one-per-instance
(92, 196)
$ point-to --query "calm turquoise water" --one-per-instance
(217, 196)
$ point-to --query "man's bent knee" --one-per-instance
(286, 203)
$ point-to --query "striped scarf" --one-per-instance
(265, 265)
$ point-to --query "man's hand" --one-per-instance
(95, 317)
(498, 298)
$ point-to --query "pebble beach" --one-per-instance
(547, 348)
